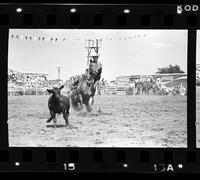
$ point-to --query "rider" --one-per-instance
(94, 72)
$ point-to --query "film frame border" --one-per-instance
(100, 159)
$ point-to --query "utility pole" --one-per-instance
(58, 80)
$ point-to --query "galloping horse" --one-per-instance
(84, 87)
(82, 95)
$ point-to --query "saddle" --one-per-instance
(89, 79)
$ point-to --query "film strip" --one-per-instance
(37, 26)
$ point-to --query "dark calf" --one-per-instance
(58, 104)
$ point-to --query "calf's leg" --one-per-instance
(66, 116)
(52, 116)
(54, 120)
(49, 120)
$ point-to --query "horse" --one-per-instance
(84, 87)
(83, 94)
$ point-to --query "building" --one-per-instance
(26, 83)
(121, 82)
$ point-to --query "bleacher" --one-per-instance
(27, 83)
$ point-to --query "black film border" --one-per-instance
(100, 159)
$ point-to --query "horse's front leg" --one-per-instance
(95, 84)
(93, 88)
(89, 103)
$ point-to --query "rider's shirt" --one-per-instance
(94, 68)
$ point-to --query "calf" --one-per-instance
(58, 104)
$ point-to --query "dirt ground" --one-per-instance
(198, 115)
(116, 121)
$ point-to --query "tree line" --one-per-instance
(169, 69)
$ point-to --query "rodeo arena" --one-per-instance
(129, 111)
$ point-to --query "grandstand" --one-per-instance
(28, 83)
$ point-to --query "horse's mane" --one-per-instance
(84, 77)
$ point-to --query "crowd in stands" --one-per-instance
(27, 83)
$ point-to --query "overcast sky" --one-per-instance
(154, 48)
